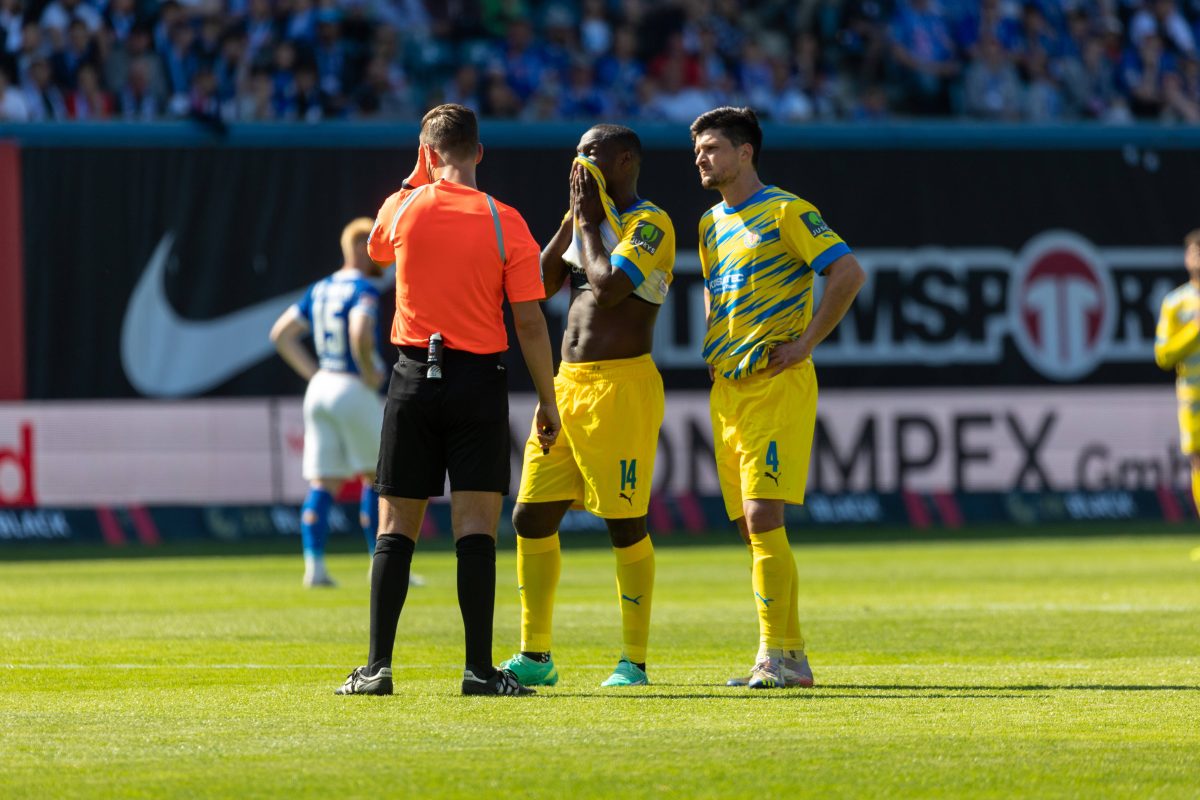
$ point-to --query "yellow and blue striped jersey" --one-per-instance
(1177, 344)
(759, 259)
(640, 241)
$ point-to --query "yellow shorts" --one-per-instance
(1189, 426)
(762, 435)
(604, 458)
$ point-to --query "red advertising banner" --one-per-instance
(12, 290)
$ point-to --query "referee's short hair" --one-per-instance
(738, 125)
(452, 130)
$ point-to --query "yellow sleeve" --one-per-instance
(1174, 340)
(806, 235)
(647, 244)
(705, 224)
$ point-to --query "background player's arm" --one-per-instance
(609, 284)
(845, 278)
(286, 334)
(1174, 342)
(554, 269)
(530, 326)
(362, 349)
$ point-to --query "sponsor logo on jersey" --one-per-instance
(816, 226)
(648, 237)
(726, 282)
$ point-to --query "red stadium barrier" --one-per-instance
(12, 291)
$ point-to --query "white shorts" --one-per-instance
(342, 423)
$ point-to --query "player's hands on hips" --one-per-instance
(586, 205)
(788, 354)
(548, 424)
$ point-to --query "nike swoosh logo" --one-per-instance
(165, 355)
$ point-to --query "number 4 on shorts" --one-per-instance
(773, 456)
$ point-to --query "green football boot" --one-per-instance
(627, 674)
(531, 672)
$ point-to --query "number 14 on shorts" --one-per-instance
(628, 479)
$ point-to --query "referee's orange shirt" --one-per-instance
(450, 277)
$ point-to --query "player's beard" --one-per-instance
(718, 178)
(713, 180)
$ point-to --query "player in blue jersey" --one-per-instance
(759, 250)
(343, 412)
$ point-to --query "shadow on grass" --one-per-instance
(877, 692)
(807, 695)
(1032, 687)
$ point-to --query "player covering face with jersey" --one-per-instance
(617, 251)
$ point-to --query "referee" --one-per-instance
(459, 254)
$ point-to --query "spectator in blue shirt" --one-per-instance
(1142, 71)
(924, 50)
(989, 21)
(66, 63)
(522, 59)
(581, 99)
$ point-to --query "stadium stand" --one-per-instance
(532, 60)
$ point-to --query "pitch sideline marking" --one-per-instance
(1066, 665)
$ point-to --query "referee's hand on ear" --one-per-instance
(548, 425)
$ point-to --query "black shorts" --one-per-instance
(458, 424)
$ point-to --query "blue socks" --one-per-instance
(368, 516)
(314, 530)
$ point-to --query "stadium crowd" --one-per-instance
(793, 60)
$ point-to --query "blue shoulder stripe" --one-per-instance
(829, 256)
(629, 268)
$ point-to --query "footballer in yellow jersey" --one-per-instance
(1177, 347)
(759, 250)
(617, 251)
(759, 259)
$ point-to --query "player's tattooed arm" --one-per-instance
(609, 284)
(554, 269)
(845, 277)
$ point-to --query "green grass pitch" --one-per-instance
(1054, 667)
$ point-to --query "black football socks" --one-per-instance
(390, 569)
(477, 599)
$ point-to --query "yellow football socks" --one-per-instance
(772, 581)
(1196, 488)
(539, 563)
(635, 588)
(793, 638)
